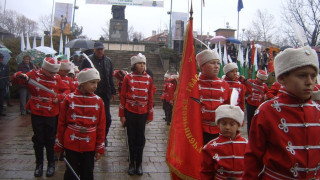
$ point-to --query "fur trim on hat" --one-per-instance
(206, 55)
(138, 59)
(50, 64)
(229, 67)
(291, 59)
(87, 74)
(261, 74)
(229, 111)
(65, 65)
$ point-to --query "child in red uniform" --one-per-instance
(222, 157)
(165, 94)
(136, 109)
(231, 72)
(81, 126)
(213, 92)
(285, 132)
(44, 108)
(170, 96)
(65, 68)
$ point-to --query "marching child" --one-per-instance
(222, 157)
(44, 107)
(231, 72)
(257, 94)
(81, 126)
(136, 110)
(165, 94)
(285, 132)
(213, 92)
(65, 68)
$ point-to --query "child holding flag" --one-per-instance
(285, 132)
(222, 157)
(213, 92)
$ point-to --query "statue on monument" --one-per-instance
(118, 12)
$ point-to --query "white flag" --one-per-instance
(23, 46)
(28, 43)
(34, 42)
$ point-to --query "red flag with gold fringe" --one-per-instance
(185, 138)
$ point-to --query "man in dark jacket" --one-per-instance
(106, 89)
(4, 82)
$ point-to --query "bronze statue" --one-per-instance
(118, 12)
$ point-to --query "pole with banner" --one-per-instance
(185, 138)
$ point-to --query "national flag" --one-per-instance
(254, 60)
(61, 45)
(240, 5)
(22, 46)
(221, 73)
(28, 42)
(34, 45)
(270, 61)
(185, 138)
(246, 64)
(240, 60)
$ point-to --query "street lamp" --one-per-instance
(74, 10)
(170, 33)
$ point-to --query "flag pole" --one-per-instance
(201, 22)
(238, 26)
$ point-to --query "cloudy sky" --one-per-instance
(215, 14)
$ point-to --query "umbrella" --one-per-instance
(36, 56)
(5, 49)
(217, 39)
(46, 50)
(6, 56)
(282, 48)
(233, 40)
(80, 43)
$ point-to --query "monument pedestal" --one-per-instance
(118, 30)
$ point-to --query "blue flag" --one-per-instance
(240, 5)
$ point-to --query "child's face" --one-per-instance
(89, 87)
(228, 127)
(260, 81)
(233, 74)
(300, 81)
(211, 68)
(48, 73)
(63, 73)
(140, 67)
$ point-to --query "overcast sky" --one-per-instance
(145, 19)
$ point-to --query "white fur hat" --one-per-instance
(229, 111)
(206, 55)
(229, 67)
(87, 74)
(50, 64)
(76, 69)
(261, 74)
(65, 65)
(315, 95)
(291, 59)
(137, 59)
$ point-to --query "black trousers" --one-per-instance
(106, 102)
(208, 137)
(81, 163)
(250, 113)
(136, 124)
(44, 133)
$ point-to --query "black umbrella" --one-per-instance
(80, 43)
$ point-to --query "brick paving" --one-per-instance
(17, 159)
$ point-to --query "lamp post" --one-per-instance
(74, 14)
(170, 33)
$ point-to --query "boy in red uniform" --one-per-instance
(213, 92)
(44, 108)
(285, 132)
(165, 94)
(231, 72)
(222, 157)
(170, 96)
(81, 126)
(136, 109)
(65, 68)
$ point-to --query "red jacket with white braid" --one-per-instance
(284, 140)
(213, 93)
(69, 83)
(171, 88)
(82, 124)
(223, 158)
(255, 97)
(274, 89)
(164, 90)
(137, 95)
(40, 102)
(240, 88)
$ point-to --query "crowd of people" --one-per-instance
(70, 113)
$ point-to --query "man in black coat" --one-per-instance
(106, 89)
(4, 82)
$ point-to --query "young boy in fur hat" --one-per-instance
(257, 94)
(81, 126)
(213, 92)
(222, 157)
(164, 94)
(136, 110)
(231, 72)
(285, 132)
(65, 67)
(44, 108)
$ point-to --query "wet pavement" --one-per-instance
(17, 159)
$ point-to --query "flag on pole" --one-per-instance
(42, 41)
(28, 43)
(221, 73)
(254, 59)
(240, 5)
(240, 60)
(61, 45)
(185, 138)
(34, 42)
(22, 46)
(66, 49)
(246, 64)
(225, 55)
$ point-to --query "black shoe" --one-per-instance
(131, 169)
(50, 170)
(139, 170)
(39, 170)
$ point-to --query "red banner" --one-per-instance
(270, 61)
(253, 49)
(185, 139)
